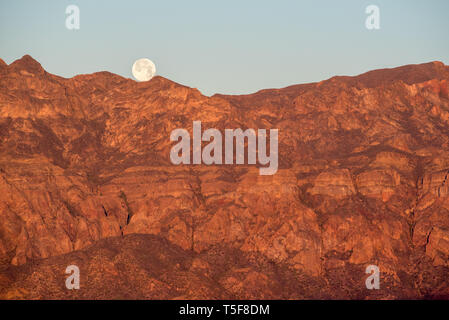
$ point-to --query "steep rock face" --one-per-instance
(337, 184)
(363, 165)
(436, 183)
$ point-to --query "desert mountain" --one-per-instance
(86, 178)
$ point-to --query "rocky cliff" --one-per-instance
(86, 177)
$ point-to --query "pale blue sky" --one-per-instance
(226, 46)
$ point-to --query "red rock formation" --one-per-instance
(362, 180)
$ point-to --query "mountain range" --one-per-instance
(86, 179)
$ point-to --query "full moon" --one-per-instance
(143, 69)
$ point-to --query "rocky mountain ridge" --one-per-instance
(362, 179)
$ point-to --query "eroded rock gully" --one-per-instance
(85, 178)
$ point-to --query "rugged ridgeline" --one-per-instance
(86, 178)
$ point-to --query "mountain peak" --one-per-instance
(438, 63)
(27, 63)
(410, 74)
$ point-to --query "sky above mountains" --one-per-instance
(230, 47)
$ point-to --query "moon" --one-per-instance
(143, 69)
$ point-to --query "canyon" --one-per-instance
(86, 179)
